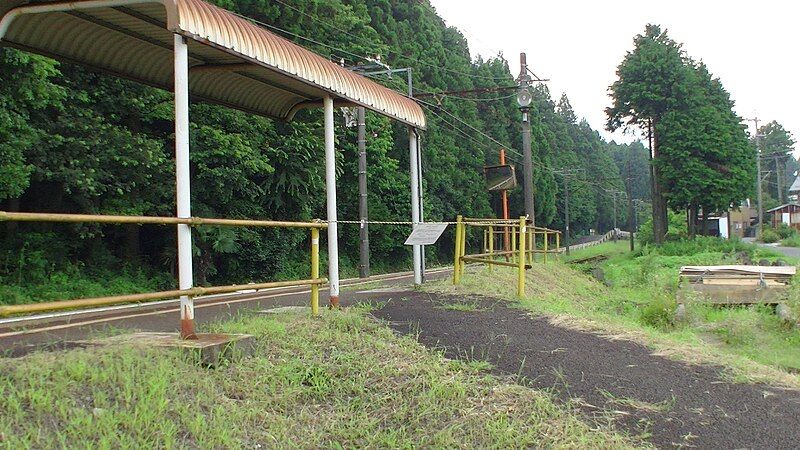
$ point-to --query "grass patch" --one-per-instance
(636, 301)
(342, 380)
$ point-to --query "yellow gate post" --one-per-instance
(546, 238)
(521, 268)
(314, 271)
(513, 244)
(461, 265)
(457, 253)
(558, 244)
(491, 245)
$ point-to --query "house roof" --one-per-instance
(795, 187)
(232, 60)
(782, 206)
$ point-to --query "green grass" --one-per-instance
(791, 241)
(339, 381)
(637, 301)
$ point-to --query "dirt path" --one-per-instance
(668, 403)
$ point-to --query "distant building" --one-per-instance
(788, 213)
(735, 222)
(794, 189)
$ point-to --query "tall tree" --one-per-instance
(652, 81)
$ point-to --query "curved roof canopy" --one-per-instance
(232, 61)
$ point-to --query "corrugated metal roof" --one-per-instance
(232, 61)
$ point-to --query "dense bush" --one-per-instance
(769, 236)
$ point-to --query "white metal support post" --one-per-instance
(330, 185)
(417, 249)
(183, 183)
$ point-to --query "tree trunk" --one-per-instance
(12, 205)
(705, 222)
(690, 221)
(660, 222)
(132, 243)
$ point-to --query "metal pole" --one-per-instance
(614, 196)
(183, 184)
(421, 199)
(629, 192)
(330, 186)
(527, 160)
(412, 150)
(521, 267)
(524, 83)
(566, 213)
(758, 182)
(504, 194)
(363, 269)
(457, 253)
(314, 270)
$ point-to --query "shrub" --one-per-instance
(658, 312)
(792, 241)
(769, 236)
(785, 231)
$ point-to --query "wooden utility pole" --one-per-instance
(629, 191)
(566, 213)
(759, 194)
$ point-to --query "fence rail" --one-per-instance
(517, 249)
(315, 281)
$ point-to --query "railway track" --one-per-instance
(47, 329)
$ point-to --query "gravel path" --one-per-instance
(667, 403)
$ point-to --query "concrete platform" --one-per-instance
(209, 348)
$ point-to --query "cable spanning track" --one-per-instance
(431, 107)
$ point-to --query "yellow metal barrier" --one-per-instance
(517, 253)
(315, 281)
(520, 255)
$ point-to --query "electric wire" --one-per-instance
(389, 52)
(429, 105)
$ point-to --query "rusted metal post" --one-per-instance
(491, 245)
(505, 207)
(457, 253)
(314, 271)
(521, 267)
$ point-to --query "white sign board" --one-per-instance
(426, 233)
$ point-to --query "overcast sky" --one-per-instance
(753, 47)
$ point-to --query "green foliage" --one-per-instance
(72, 140)
(677, 229)
(701, 156)
(659, 312)
(769, 236)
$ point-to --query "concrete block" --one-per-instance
(210, 349)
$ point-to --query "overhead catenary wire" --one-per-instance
(363, 40)
(429, 105)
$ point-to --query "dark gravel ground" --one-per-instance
(667, 403)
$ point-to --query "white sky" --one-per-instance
(753, 47)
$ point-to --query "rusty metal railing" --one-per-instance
(315, 281)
